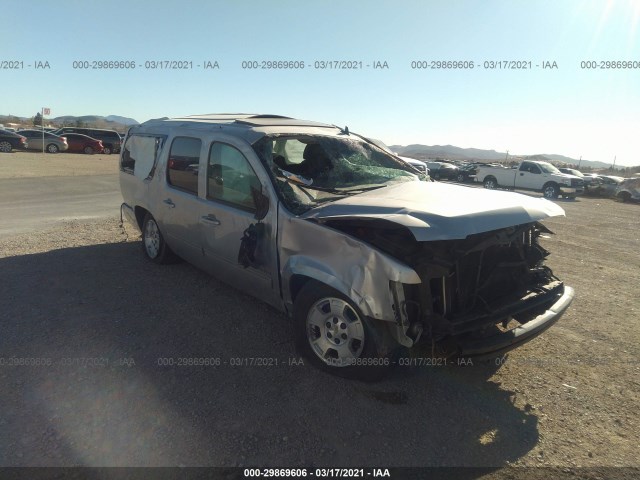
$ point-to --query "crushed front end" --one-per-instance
(479, 296)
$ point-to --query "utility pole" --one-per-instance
(506, 158)
(579, 162)
(614, 163)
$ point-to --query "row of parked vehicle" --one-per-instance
(540, 176)
(65, 139)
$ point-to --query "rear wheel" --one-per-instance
(153, 244)
(5, 147)
(88, 150)
(52, 148)
(460, 178)
(491, 183)
(335, 336)
(106, 150)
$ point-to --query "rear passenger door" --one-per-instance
(231, 170)
(178, 206)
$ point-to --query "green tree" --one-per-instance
(37, 120)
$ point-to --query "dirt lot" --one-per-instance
(82, 300)
(20, 164)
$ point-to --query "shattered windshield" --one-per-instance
(311, 169)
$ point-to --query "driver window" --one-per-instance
(230, 178)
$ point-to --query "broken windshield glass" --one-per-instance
(311, 169)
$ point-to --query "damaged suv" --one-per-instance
(364, 252)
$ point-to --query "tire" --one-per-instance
(153, 244)
(550, 191)
(106, 150)
(623, 197)
(336, 337)
(52, 148)
(5, 147)
(460, 178)
(88, 150)
(491, 183)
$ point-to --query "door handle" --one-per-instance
(210, 220)
(169, 202)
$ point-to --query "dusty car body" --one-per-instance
(628, 189)
(353, 243)
(606, 186)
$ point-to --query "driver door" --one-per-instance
(226, 212)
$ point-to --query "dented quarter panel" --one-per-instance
(352, 267)
(438, 211)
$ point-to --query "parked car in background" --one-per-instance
(466, 172)
(532, 175)
(52, 143)
(442, 170)
(83, 144)
(606, 186)
(588, 180)
(417, 164)
(110, 139)
(10, 141)
(628, 189)
(592, 179)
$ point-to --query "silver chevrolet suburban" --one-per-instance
(368, 256)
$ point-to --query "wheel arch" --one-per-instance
(140, 213)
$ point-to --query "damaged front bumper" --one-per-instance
(502, 342)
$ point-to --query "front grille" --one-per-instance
(497, 276)
(577, 182)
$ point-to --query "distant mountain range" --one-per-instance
(112, 122)
(450, 152)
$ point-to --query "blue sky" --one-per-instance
(593, 113)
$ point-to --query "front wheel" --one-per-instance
(335, 336)
(551, 191)
(460, 178)
(5, 147)
(623, 197)
(106, 150)
(153, 244)
(52, 148)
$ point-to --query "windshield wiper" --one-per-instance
(363, 189)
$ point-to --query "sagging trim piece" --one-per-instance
(345, 263)
(403, 325)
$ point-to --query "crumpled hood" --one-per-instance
(440, 211)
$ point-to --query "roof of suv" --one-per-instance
(248, 126)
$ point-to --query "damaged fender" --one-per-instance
(352, 267)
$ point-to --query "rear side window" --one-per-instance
(140, 154)
(230, 178)
(182, 167)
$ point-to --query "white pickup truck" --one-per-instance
(531, 175)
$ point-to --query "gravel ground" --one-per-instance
(82, 299)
